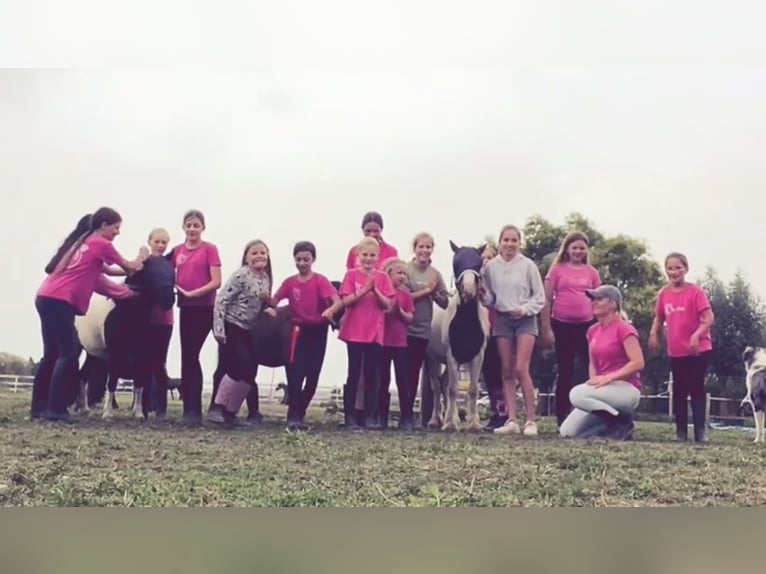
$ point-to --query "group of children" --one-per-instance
(385, 308)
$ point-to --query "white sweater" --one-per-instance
(514, 285)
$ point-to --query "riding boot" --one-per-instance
(349, 410)
(618, 427)
(698, 417)
(253, 405)
(681, 416)
(371, 414)
(384, 406)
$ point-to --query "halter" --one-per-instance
(457, 280)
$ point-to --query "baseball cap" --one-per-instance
(606, 292)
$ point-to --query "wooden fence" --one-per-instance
(718, 408)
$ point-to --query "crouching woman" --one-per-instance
(605, 404)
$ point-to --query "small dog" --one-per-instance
(755, 383)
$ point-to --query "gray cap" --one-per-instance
(606, 292)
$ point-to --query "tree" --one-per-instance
(11, 364)
(739, 322)
(621, 260)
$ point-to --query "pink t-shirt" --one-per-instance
(395, 331)
(112, 289)
(386, 251)
(75, 283)
(308, 299)
(607, 350)
(570, 304)
(681, 311)
(193, 271)
(364, 321)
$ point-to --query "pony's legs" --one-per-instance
(431, 378)
(451, 418)
(110, 402)
(473, 423)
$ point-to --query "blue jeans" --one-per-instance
(57, 370)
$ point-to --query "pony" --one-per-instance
(459, 336)
(114, 334)
(273, 346)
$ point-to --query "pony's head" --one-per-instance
(466, 266)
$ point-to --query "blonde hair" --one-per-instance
(157, 230)
(423, 235)
(248, 246)
(563, 253)
(491, 249)
(368, 242)
(391, 263)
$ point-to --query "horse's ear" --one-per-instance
(454, 247)
(481, 248)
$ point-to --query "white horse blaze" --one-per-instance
(439, 354)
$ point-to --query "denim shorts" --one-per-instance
(510, 328)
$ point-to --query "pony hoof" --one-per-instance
(434, 424)
(450, 426)
(474, 426)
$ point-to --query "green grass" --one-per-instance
(132, 463)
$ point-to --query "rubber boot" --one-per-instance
(698, 417)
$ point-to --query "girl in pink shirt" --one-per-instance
(198, 276)
(366, 294)
(605, 403)
(372, 226)
(310, 295)
(568, 313)
(397, 319)
(685, 310)
(75, 272)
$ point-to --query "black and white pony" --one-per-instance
(114, 335)
(459, 337)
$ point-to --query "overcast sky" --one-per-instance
(673, 154)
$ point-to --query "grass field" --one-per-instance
(133, 463)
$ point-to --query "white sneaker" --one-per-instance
(530, 428)
(510, 427)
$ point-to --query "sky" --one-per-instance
(662, 146)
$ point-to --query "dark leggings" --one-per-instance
(397, 356)
(369, 355)
(571, 343)
(58, 365)
(307, 364)
(416, 354)
(195, 324)
(688, 381)
(159, 342)
(238, 358)
(492, 371)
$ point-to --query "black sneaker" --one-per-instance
(495, 421)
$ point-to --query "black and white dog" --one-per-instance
(755, 384)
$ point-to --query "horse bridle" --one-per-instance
(458, 280)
